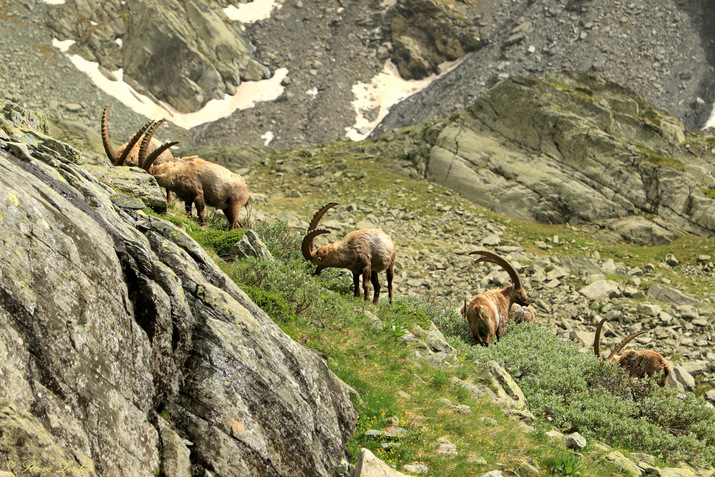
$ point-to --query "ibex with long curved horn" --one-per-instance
(488, 313)
(196, 181)
(364, 252)
(128, 153)
(637, 363)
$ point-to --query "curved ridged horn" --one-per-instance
(597, 338)
(623, 343)
(156, 153)
(132, 142)
(319, 215)
(494, 258)
(146, 141)
(108, 148)
(307, 245)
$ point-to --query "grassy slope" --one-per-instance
(395, 387)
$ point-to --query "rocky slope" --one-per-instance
(568, 148)
(660, 50)
(124, 350)
(434, 230)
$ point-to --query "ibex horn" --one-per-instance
(494, 258)
(319, 215)
(307, 245)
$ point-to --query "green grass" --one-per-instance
(398, 390)
(660, 160)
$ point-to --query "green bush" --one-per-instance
(220, 241)
(565, 463)
(578, 392)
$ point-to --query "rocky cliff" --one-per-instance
(571, 148)
(124, 350)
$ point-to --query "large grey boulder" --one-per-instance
(569, 148)
(123, 346)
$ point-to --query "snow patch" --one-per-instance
(247, 94)
(710, 123)
(252, 12)
(385, 90)
(267, 138)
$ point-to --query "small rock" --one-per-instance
(600, 289)
(556, 436)
(491, 241)
(681, 379)
(671, 260)
(250, 245)
(416, 468)
(575, 441)
(621, 461)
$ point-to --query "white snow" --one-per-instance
(267, 138)
(247, 94)
(710, 123)
(54, 2)
(251, 12)
(385, 90)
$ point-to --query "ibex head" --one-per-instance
(519, 293)
(309, 252)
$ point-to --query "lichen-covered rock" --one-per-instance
(622, 462)
(561, 148)
(250, 245)
(109, 318)
(425, 34)
(179, 52)
(370, 466)
(508, 384)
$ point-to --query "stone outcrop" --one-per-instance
(181, 53)
(124, 350)
(570, 148)
(426, 34)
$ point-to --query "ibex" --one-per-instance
(364, 252)
(637, 363)
(488, 313)
(196, 181)
(128, 153)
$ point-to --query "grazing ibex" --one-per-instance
(128, 153)
(364, 252)
(637, 363)
(196, 181)
(488, 312)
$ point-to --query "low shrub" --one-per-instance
(578, 392)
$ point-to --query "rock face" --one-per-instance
(672, 69)
(328, 47)
(125, 350)
(181, 53)
(425, 34)
(569, 148)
